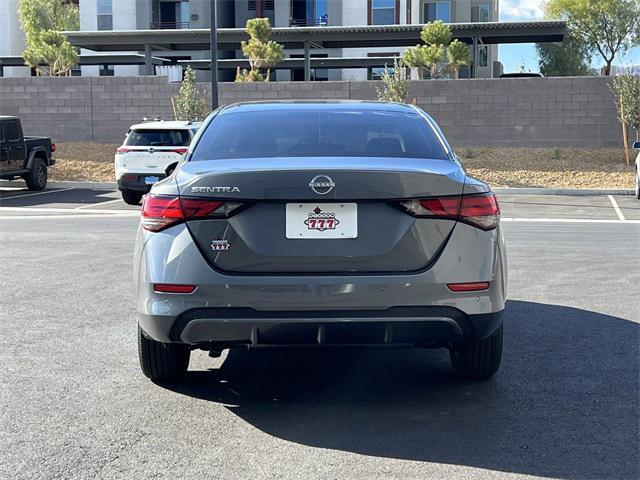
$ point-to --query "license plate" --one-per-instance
(322, 220)
(151, 180)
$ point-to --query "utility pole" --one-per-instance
(214, 57)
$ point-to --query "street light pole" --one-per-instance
(214, 57)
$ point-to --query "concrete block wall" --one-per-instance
(536, 112)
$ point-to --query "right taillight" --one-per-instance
(481, 211)
(162, 211)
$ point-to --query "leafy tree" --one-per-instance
(42, 21)
(261, 52)
(395, 85)
(190, 104)
(608, 26)
(626, 89)
(569, 58)
(438, 48)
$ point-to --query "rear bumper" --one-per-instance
(135, 181)
(410, 326)
(284, 309)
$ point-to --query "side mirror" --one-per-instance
(636, 145)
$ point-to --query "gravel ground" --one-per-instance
(500, 167)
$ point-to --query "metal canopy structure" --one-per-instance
(289, 63)
(91, 59)
(317, 37)
(149, 41)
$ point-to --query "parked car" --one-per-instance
(148, 154)
(26, 157)
(337, 223)
(636, 146)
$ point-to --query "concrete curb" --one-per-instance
(68, 184)
(561, 191)
(85, 185)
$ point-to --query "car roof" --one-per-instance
(8, 117)
(162, 125)
(362, 105)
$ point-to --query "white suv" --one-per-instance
(147, 153)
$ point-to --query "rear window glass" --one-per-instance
(11, 130)
(158, 138)
(345, 133)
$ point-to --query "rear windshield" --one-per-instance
(158, 138)
(348, 133)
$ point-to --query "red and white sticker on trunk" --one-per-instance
(321, 220)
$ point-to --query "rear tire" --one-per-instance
(162, 362)
(477, 359)
(131, 197)
(36, 179)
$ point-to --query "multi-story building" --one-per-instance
(11, 37)
(179, 14)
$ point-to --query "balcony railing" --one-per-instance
(169, 25)
(309, 22)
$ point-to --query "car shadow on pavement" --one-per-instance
(564, 404)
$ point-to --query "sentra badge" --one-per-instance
(215, 190)
(220, 245)
(321, 221)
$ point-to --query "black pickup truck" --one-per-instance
(24, 157)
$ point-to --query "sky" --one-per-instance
(515, 55)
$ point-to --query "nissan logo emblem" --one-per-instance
(321, 184)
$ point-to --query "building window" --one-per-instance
(106, 71)
(375, 73)
(259, 6)
(105, 15)
(483, 56)
(309, 13)
(437, 11)
(480, 13)
(384, 12)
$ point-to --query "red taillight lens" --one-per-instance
(180, 151)
(481, 211)
(123, 150)
(160, 212)
(468, 287)
(441, 207)
(173, 288)
(53, 147)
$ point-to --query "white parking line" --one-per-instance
(78, 215)
(616, 207)
(99, 203)
(566, 220)
(66, 210)
(36, 193)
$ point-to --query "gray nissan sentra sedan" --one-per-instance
(319, 224)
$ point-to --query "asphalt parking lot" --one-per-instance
(74, 404)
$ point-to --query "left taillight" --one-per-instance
(481, 210)
(53, 147)
(159, 211)
(123, 150)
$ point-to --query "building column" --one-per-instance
(148, 65)
(307, 62)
